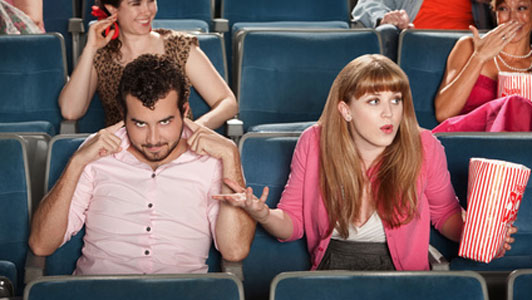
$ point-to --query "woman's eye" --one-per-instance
(397, 100)
(373, 101)
(523, 7)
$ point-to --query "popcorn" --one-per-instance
(515, 84)
(494, 193)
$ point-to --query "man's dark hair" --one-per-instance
(150, 78)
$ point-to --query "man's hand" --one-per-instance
(398, 18)
(205, 141)
(104, 143)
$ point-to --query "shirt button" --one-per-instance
(150, 205)
(152, 175)
(148, 229)
(147, 252)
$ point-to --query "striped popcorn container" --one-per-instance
(494, 193)
(515, 84)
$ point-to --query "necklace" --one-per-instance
(517, 56)
(508, 66)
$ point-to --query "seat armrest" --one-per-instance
(235, 129)
(68, 126)
(220, 25)
(233, 268)
(437, 261)
(76, 28)
(75, 25)
(34, 267)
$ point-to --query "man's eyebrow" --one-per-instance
(137, 121)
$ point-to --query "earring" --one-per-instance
(348, 118)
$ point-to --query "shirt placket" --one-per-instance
(148, 229)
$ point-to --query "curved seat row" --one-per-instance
(31, 163)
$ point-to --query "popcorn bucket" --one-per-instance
(494, 193)
(515, 84)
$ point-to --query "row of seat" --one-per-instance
(290, 285)
(71, 17)
(266, 161)
(281, 75)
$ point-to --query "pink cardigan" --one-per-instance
(408, 244)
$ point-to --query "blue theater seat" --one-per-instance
(266, 161)
(342, 285)
(32, 74)
(284, 76)
(512, 147)
(282, 14)
(15, 207)
(63, 260)
(423, 56)
(132, 287)
(58, 16)
(520, 285)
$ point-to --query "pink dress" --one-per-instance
(484, 91)
(482, 113)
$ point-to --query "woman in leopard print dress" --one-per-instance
(101, 64)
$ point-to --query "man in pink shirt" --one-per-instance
(144, 191)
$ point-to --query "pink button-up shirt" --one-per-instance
(142, 221)
(408, 244)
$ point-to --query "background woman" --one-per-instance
(101, 64)
(365, 182)
(473, 65)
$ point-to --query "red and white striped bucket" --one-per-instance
(494, 193)
(515, 84)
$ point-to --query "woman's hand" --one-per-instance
(244, 198)
(508, 240)
(96, 37)
(494, 41)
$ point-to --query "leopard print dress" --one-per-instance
(176, 46)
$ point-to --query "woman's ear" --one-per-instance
(344, 110)
(111, 9)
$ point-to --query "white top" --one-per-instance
(372, 231)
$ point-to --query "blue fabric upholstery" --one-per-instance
(341, 285)
(212, 45)
(56, 15)
(30, 126)
(281, 10)
(270, 11)
(63, 260)
(423, 56)
(519, 285)
(198, 10)
(181, 24)
(266, 162)
(94, 118)
(160, 287)
(8, 270)
(14, 204)
(459, 148)
(32, 74)
(285, 75)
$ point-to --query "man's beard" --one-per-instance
(157, 159)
